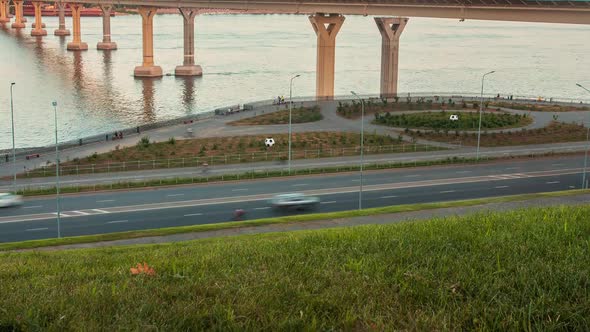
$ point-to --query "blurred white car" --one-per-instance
(294, 201)
(7, 200)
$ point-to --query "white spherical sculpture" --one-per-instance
(269, 142)
(454, 117)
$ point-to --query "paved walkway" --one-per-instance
(574, 200)
(217, 126)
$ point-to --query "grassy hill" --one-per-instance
(522, 270)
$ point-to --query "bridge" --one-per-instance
(325, 16)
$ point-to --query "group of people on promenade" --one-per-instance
(280, 100)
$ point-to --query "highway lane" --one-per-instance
(157, 215)
(499, 170)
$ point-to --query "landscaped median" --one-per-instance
(521, 270)
(278, 220)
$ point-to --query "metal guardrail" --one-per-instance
(245, 157)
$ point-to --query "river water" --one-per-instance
(252, 57)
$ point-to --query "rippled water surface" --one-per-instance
(252, 57)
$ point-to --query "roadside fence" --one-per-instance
(245, 157)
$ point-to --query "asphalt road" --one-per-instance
(203, 204)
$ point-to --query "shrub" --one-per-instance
(171, 141)
(144, 142)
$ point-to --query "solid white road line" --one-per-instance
(36, 229)
(447, 191)
(501, 187)
(390, 196)
(552, 182)
(105, 201)
(82, 213)
(262, 208)
(174, 195)
(100, 211)
(33, 207)
(329, 202)
(117, 221)
(193, 214)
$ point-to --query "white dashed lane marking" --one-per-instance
(117, 221)
(239, 190)
(33, 207)
(552, 182)
(262, 208)
(174, 195)
(193, 214)
(391, 196)
(37, 229)
(329, 202)
(105, 201)
(501, 187)
(447, 191)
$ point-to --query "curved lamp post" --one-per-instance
(290, 107)
(480, 113)
(362, 147)
(584, 184)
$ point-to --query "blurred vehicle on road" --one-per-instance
(7, 200)
(294, 201)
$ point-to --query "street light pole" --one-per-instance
(57, 170)
(584, 184)
(290, 107)
(480, 113)
(13, 146)
(362, 148)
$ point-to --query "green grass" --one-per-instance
(279, 220)
(298, 115)
(440, 120)
(522, 270)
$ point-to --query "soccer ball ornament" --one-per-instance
(454, 117)
(269, 142)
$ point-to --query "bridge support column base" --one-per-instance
(106, 46)
(38, 32)
(61, 32)
(192, 70)
(34, 26)
(148, 71)
(77, 46)
(18, 25)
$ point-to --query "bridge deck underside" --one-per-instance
(556, 11)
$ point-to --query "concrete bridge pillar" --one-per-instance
(188, 67)
(106, 43)
(61, 31)
(4, 12)
(326, 28)
(18, 14)
(391, 29)
(38, 26)
(76, 44)
(148, 69)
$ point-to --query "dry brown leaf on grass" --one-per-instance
(143, 269)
